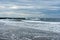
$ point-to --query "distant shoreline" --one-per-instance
(10, 18)
(39, 19)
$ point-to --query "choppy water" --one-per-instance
(29, 30)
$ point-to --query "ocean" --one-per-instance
(29, 30)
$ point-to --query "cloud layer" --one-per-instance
(30, 8)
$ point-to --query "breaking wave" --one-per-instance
(29, 30)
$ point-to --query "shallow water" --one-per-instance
(29, 30)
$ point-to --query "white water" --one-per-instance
(41, 25)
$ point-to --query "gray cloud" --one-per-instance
(27, 8)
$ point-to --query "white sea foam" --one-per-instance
(41, 25)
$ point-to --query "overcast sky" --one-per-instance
(30, 8)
